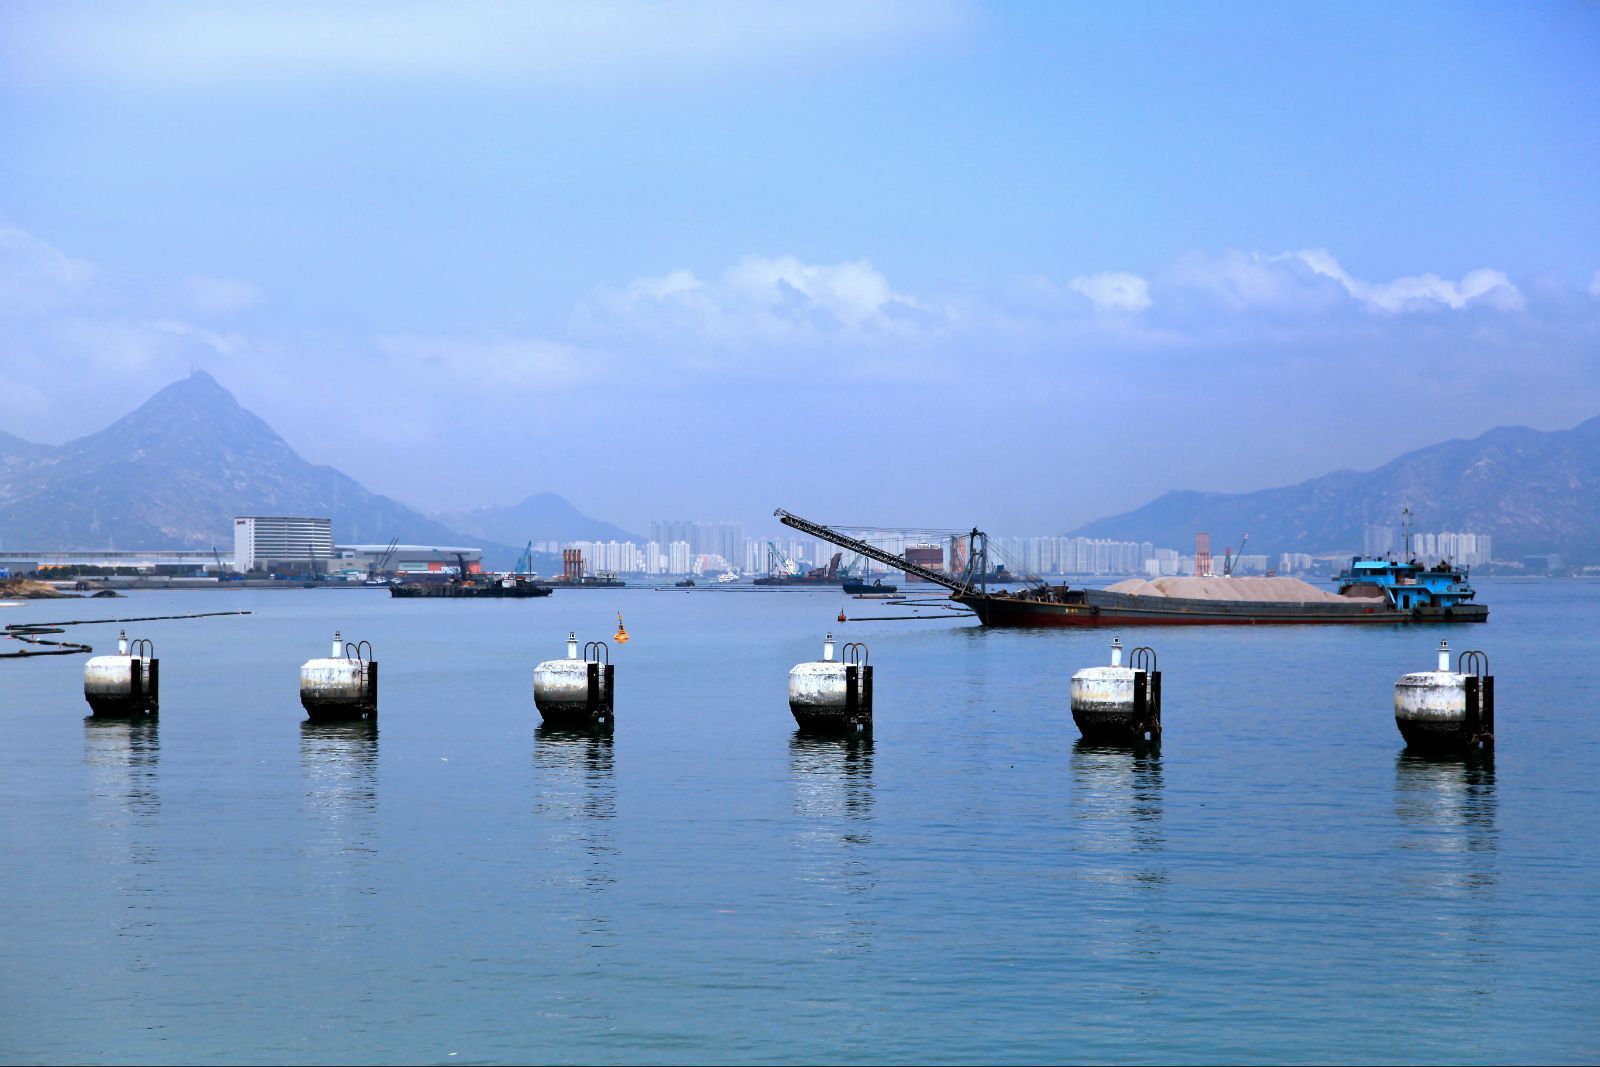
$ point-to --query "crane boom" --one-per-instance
(387, 558)
(870, 551)
(1230, 557)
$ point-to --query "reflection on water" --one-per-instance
(1451, 797)
(1447, 810)
(339, 765)
(1116, 800)
(1117, 813)
(578, 772)
(124, 754)
(830, 780)
(123, 757)
(832, 776)
(575, 805)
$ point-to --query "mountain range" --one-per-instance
(1533, 491)
(175, 472)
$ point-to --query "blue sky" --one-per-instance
(946, 263)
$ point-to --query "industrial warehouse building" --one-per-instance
(262, 542)
(404, 559)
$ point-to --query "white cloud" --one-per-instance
(1113, 291)
(208, 295)
(524, 365)
(1244, 281)
(852, 293)
(1420, 292)
(223, 344)
(35, 275)
(1312, 281)
(598, 42)
(761, 297)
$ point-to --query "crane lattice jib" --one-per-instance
(869, 550)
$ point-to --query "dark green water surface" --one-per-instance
(1281, 882)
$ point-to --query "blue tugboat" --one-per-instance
(1437, 594)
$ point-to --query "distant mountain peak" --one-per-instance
(192, 412)
(543, 516)
(199, 386)
(174, 472)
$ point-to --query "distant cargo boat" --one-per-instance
(509, 586)
(600, 580)
(856, 587)
(1370, 591)
(812, 580)
(466, 584)
(1000, 576)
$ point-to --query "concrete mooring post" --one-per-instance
(1119, 704)
(829, 695)
(343, 686)
(126, 684)
(1443, 710)
(574, 691)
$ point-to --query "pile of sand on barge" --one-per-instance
(1269, 590)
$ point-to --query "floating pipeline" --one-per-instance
(31, 633)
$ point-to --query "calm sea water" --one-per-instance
(1281, 882)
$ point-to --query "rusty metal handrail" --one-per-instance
(142, 647)
(1143, 658)
(597, 652)
(353, 650)
(855, 654)
(1474, 661)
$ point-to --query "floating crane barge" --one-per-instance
(465, 584)
(1370, 591)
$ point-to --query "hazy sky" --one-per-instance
(903, 263)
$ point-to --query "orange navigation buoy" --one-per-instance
(841, 616)
(621, 636)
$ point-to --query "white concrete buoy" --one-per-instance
(829, 694)
(574, 691)
(126, 684)
(342, 686)
(1445, 709)
(1119, 703)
